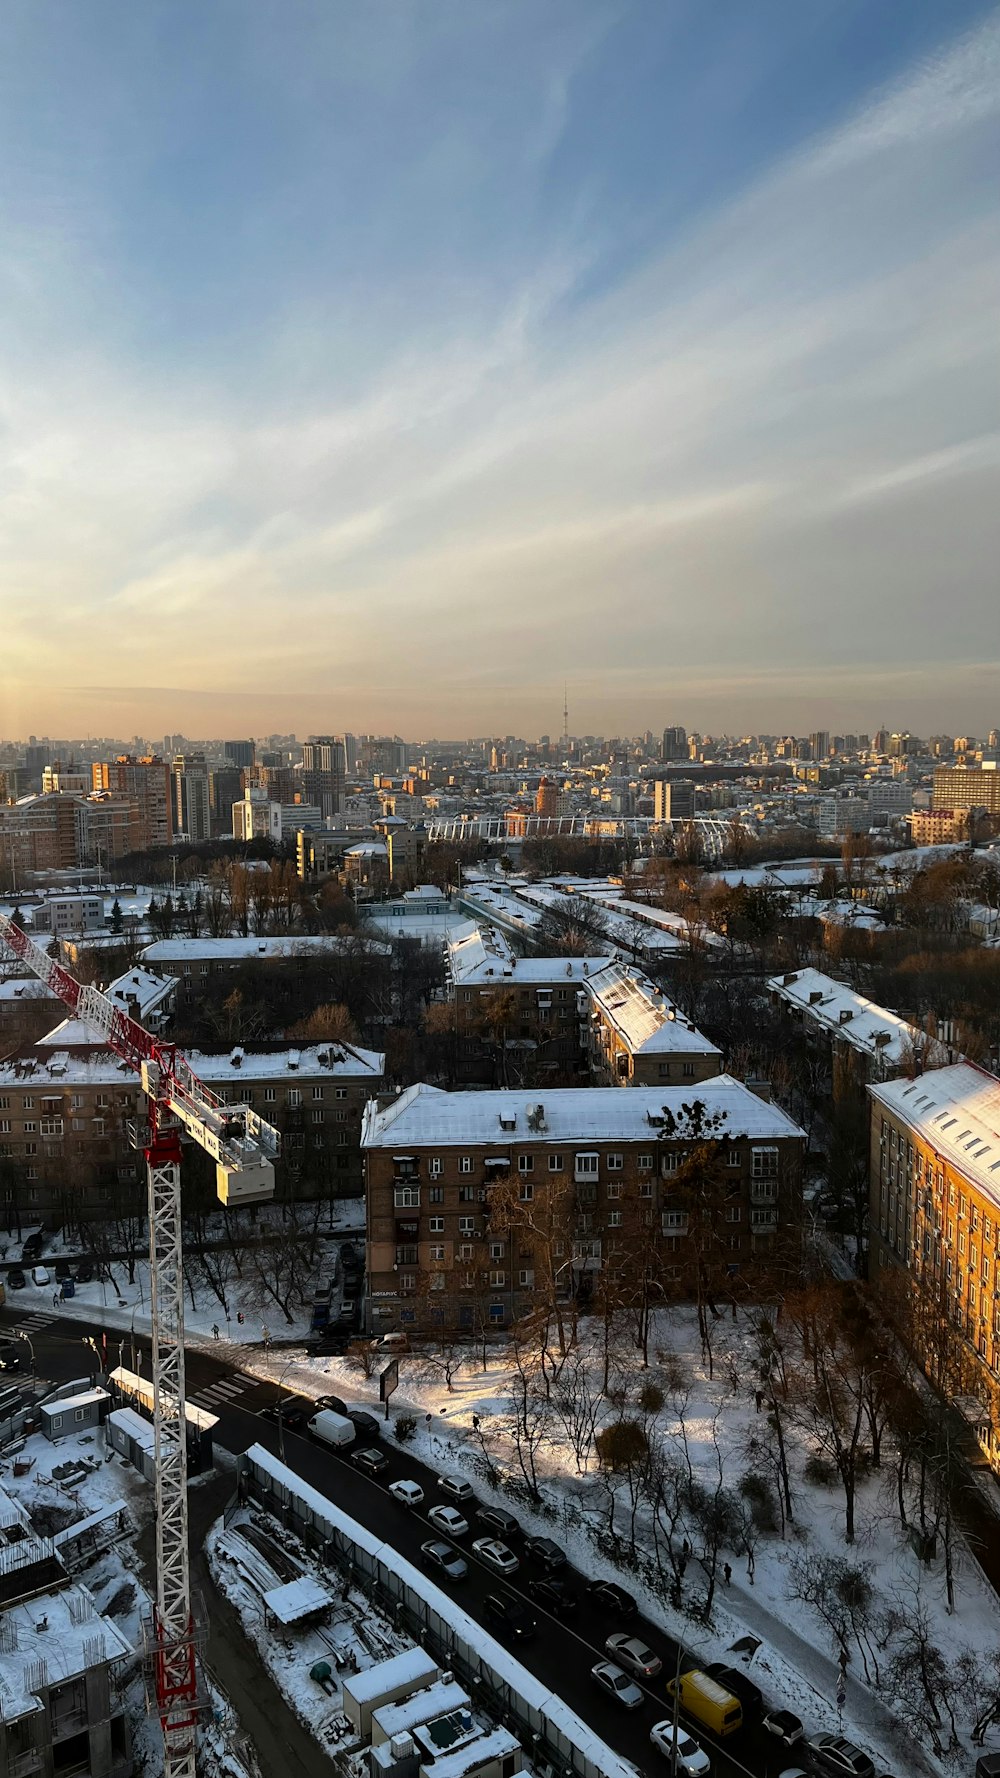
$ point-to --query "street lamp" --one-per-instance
(20, 1334)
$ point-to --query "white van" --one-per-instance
(331, 1428)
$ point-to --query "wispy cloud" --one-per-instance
(755, 463)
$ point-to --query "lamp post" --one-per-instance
(20, 1334)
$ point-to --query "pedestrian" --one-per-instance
(55, 1299)
(759, 1399)
(727, 1572)
(215, 1330)
(240, 1317)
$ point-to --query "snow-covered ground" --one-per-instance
(249, 1557)
(796, 1664)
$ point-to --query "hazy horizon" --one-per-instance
(385, 376)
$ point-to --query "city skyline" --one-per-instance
(389, 380)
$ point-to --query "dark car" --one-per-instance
(545, 1553)
(292, 1414)
(16, 1279)
(333, 1402)
(62, 1270)
(741, 1687)
(13, 1356)
(369, 1461)
(84, 1271)
(350, 1258)
(497, 1522)
(445, 1558)
(331, 1343)
(555, 1595)
(32, 1245)
(509, 1617)
(611, 1598)
(366, 1427)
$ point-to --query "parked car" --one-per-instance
(632, 1653)
(62, 1270)
(16, 1279)
(736, 1681)
(449, 1520)
(350, 1258)
(834, 1753)
(333, 1402)
(84, 1271)
(32, 1245)
(496, 1555)
(455, 1486)
(331, 1343)
(498, 1523)
(407, 1493)
(13, 1356)
(391, 1342)
(370, 1461)
(40, 1276)
(611, 1598)
(366, 1427)
(556, 1596)
(796, 1772)
(784, 1726)
(691, 1760)
(441, 1556)
(509, 1617)
(545, 1553)
(616, 1682)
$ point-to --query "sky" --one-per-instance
(389, 365)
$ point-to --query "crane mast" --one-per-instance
(244, 1148)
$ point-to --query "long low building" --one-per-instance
(536, 996)
(635, 1036)
(588, 1177)
(832, 1009)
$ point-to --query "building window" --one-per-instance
(340, 1093)
(466, 1194)
(317, 1092)
(615, 1189)
(497, 1280)
(437, 1280)
(556, 1163)
(466, 1225)
(526, 1163)
(733, 1213)
(317, 1117)
(406, 1197)
(29, 1104)
(465, 1163)
(497, 1312)
(435, 1194)
(466, 1250)
(526, 1280)
(407, 1281)
(436, 1251)
(586, 1166)
(434, 1166)
(763, 1163)
(645, 1188)
(496, 1250)
(435, 1225)
(614, 1219)
(269, 1095)
(674, 1219)
(645, 1163)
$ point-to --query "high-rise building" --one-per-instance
(673, 800)
(956, 787)
(675, 744)
(547, 798)
(148, 781)
(239, 753)
(192, 812)
(820, 743)
(225, 787)
(323, 772)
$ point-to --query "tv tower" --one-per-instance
(565, 721)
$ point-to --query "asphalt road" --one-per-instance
(562, 1653)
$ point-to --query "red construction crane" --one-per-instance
(244, 1148)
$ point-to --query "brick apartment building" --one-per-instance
(526, 1004)
(635, 1037)
(600, 1169)
(967, 787)
(65, 1111)
(935, 1227)
(195, 962)
(147, 781)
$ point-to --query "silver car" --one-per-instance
(631, 1653)
(496, 1555)
(616, 1682)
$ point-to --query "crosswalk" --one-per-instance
(224, 1392)
(30, 1324)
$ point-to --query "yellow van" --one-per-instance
(708, 1702)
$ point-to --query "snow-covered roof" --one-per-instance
(434, 1700)
(51, 1638)
(134, 1426)
(482, 955)
(87, 1398)
(297, 1599)
(237, 950)
(570, 1115)
(494, 1744)
(413, 1665)
(79, 1064)
(957, 1111)
(642, 1015)
(859, 1022)
(141, 986)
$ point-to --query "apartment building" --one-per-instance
(935, 827)
(836, 1016)
(147, 780)
(968, 787)
(935, 1226)
(527, 1003)
(323, 773)
(108, 828)
(62, 1665)
(39, 834)
(598, 1175)
(27, 1010)
(194, 962)
(635, 1037)
(65, 1111)
(192, 814)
